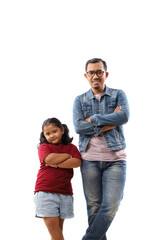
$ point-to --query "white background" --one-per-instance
(44, 46)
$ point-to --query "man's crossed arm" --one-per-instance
(106, 128)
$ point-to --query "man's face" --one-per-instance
(97, 83)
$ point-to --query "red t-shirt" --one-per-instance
(55, 180)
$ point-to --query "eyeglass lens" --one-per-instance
(99, 73)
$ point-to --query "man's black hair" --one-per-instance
(95, 60)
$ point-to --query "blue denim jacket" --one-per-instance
(101, 113)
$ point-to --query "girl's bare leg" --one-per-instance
(54, 225)
(61, 221)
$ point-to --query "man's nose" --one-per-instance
(95, 75)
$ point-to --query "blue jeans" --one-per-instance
(103, 184)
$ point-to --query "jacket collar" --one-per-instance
(90, 94)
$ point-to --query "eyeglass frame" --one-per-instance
(95, 72)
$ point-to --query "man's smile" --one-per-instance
(95, 80)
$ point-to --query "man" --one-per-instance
(98, 116)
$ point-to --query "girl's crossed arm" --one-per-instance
(55, 158)
(70, 163)
(62, 160)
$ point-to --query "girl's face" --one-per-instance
(52, 133)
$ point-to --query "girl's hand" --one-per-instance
(52, 165)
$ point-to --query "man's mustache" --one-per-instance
(97, 79)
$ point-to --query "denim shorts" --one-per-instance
(53, 205)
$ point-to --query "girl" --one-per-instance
(53, 190)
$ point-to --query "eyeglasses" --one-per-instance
(99, 73)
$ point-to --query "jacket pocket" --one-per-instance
(112, 106)
(87, 110)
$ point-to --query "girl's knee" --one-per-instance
(53, 225)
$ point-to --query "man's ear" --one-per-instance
(107, 73)
(85, 75)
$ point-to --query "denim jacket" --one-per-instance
(101, 113)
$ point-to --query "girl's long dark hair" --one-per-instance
(65, 137)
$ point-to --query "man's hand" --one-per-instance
(118, 109)
(106, 128)
(87, 120)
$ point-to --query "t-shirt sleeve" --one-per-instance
(43, 151)
(74, 152)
